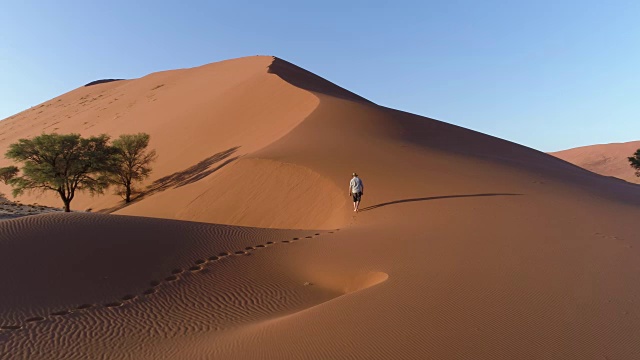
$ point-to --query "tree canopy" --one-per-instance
(61, 163)
(130, 162)
(635, 162)
(8, 173)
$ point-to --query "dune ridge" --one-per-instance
(604, 159)
(468, 246)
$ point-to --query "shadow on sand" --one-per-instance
(432, 198)
(193, 173)
(309, 81)
(184, 177)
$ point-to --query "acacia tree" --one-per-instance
(130, 162)
(61, 163)
(635, 162)
(8, 173)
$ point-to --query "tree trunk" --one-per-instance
(128, 194)
(65, 200)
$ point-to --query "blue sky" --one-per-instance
(546, 74)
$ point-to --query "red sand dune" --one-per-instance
(605, 159)
(468, 246)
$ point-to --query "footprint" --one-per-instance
(154, 284)
(10, 327)
(34, 319)
(317, 234)
(308, 237)
(61, 313)
(150, 291)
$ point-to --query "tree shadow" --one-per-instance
(433, 198)
(193, 173)
(184, 177)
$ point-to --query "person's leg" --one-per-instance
(355, 207)
(356, 204)
(355, 198)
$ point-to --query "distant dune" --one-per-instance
(605, 159)
(244, 244)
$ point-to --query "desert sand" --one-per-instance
(245, 246)
(604, 159)
(12, 210)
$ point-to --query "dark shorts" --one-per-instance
(356, 196)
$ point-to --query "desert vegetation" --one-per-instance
(130, 162)
(635, 162)
(69, 163)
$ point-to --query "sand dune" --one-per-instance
(605, 159)
(208, 124)
(468, 246)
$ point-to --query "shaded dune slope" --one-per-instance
(605, 159)
(101, 270)
(468, 246)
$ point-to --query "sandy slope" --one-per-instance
(199, 119)
(605, 159)
(469, 247)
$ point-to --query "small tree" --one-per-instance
(61, 163)
(8, 173)
(131, 162)
(635, 162)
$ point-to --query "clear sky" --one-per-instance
(546, 74)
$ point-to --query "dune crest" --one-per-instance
(469, 246)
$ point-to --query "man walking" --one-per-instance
(356, 189)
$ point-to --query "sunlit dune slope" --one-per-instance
(199, 120)
(466, 246)
(211, 124)
(605, 159)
